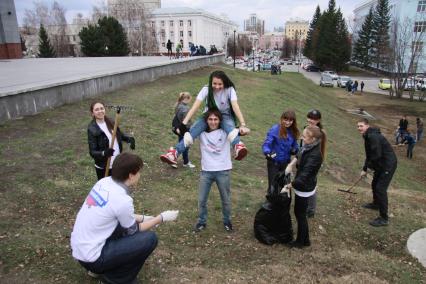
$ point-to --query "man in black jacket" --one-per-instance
(380, 158)
(402, 129)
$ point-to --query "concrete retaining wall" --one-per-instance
(32, 101)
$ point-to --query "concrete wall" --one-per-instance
(34, 101)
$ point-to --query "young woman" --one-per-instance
(99, 133)
(220, 95)
(181, 110)
(309, 161)
(280, 143)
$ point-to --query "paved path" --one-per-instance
(33, 73)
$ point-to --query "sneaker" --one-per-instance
(240, 151)
(228, 227)
(189, 165)
(379, 221)
(174, 166)
(296, 244)
(199, 227)
(170, 157)
(93, 274)
(371, 206)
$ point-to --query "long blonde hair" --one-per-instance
(318, 133)
(181, 97)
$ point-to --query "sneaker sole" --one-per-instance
(241, 154)
(167, 161)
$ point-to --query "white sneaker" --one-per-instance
(174, 166)
(189, 165)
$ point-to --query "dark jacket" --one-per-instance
(283, 147)
(378, 151)
(308, 166)
(98, 142)
(403, 124)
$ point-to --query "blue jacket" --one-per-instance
(281, 146)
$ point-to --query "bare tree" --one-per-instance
(406, 49)
(58, 30)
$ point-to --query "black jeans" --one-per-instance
(379, 185)
(300, 207)
(100, 173)
(273, 169)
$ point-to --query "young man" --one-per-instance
(380, 158)
(402, 130)
(108, 238)
(215, 167)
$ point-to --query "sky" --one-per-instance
(274, 12)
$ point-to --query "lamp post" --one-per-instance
(253, 58)
(234, 47)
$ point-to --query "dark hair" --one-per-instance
(125, 164)
(108, 121)
(289, 114)
(227, 83)
(364, 120)
(317, 133)
(315, 114)
(210, 112)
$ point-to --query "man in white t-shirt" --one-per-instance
(215, 167)
(108, 238)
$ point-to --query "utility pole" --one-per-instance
(234, 47)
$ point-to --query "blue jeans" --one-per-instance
(419, 135)
(222, 179)
(122, 258)
(185, 154)
(227, 124)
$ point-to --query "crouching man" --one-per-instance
(108, 238)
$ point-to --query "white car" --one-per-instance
(332, 74)
(326, 81)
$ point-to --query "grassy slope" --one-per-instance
(46, 174)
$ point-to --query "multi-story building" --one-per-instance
(254, 24)
(296, 28)
(10, 42)
(147, 4)
(407, 12)
(190, 26)
(271, 41)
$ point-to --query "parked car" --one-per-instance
(409, 85)
(421, 84)
(333, 74)
(384, 84)
(266, 66)
(342, 80)
(326, 81)
(312, 68)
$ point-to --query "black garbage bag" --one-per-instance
(272, 223)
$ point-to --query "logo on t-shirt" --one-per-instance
(97, 197)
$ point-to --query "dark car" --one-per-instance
(312, 68)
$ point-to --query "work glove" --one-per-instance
(132, 143)
(286, 189)
(270, 156)
(183, 128)
(108, 152)
(169, 215)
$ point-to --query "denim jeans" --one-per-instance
(222, 179)
(419, 135)
(122, 258)
(185, 154)
(227, 124)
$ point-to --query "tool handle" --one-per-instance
(114, 135)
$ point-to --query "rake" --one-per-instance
(349, 190)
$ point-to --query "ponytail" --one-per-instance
(181, 97)
(319, 134)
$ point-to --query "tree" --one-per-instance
(363, 44)
(287, 48)
(380, 32)
(57, 30)
(307, 50)
(92, 41)
(45, 48)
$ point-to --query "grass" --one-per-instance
(46, 173)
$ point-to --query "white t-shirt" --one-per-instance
(221, 98)
(215, 151)
(106, 206)
(305, 194)
(116, 147)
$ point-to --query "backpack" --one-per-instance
(175, 125)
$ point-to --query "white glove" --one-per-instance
(169, 215)
(286, 189)
(288, 169)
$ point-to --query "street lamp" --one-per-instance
(234, 47)
(253, 58)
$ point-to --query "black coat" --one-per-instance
(307, 169)
(98, 142)
(378, 151)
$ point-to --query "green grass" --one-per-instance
(47, 173)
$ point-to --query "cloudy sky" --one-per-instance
(274, 12)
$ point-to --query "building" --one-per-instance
(271, 41)
(191, 26)
(297, 28)
(254, 24)
(10, 41)
(407, 12)
(147, 4)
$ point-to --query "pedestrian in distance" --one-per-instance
(362, 86)
(169, 48)
(349, 86)
(219, 94)
(419, 129)
(99, 136)
(402, 130)
(181, 110)
(108, 238)
(380, 158)
(410, 140)
(354, 87)
(309, 161)
(280, 143)
(216, 168)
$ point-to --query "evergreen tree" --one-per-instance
(92, 41)
(342, 44)
(381, 38)
(45, 49)
(307, 50)
(363, 45)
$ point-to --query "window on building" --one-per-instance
(189, 23)
(171, 23)
(189, 33)
(163, 44)
(181, 23)
(152, 24)
(181, 33)
(153, 34)
(162, 23)
(172, 34)
(421, 6)
(420, 27)
(163, 33)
